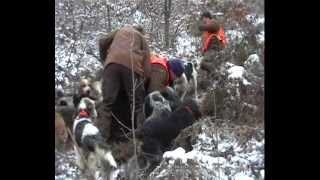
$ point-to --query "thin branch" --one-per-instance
(133, 98)
(135, 159)
(120, 122)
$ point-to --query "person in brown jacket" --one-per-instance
(126, 59)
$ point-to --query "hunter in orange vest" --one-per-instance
(163, 72)
(213, 34)
(214, 40)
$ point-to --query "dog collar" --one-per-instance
(83, 114)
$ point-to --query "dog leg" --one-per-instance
(79, 161)
(195, 89)
(92, 165)
(184, 93)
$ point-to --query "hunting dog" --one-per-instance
(156, 105)
(157, 133)
(61, 135)
(187, 82)
(92, 151)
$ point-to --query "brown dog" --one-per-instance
(61, 135)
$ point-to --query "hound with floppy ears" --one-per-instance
(93, 152)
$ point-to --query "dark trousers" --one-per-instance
(116, 79)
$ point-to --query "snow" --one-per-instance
(139, 17)
(237, 72)
(66, 170)
(252, 59)
(260, 20)
(234, 34)
(262, 173)
(242, 176)
(256, 20)
(184, 44)
(218, 14)
(236, 164)
(178, 153)
(260, 37)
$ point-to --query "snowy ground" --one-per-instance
(65, 167)
(217, 154)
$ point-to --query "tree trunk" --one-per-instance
(167, 12)
(109, 19)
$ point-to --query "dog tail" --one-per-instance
(104, 152)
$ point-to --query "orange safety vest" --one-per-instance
(207, 39)
(163, 61)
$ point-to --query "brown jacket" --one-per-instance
(124, 46)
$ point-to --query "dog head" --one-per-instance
(87, 108)
(156, 103)
(84, 89)
(169, 94)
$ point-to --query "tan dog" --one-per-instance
(61, 135)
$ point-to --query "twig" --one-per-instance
(114, 116)
(133, 103)
(140, 83)
(217, 134)
(125, 134)
(215, 107)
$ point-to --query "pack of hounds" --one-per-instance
(167, 113)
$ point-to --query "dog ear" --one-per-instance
(147, 107)
(188, 70)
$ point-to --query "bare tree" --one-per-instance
(167, 12)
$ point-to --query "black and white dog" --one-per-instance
(161, 101)
(187, 82)
(156, 106)
(93, 151)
